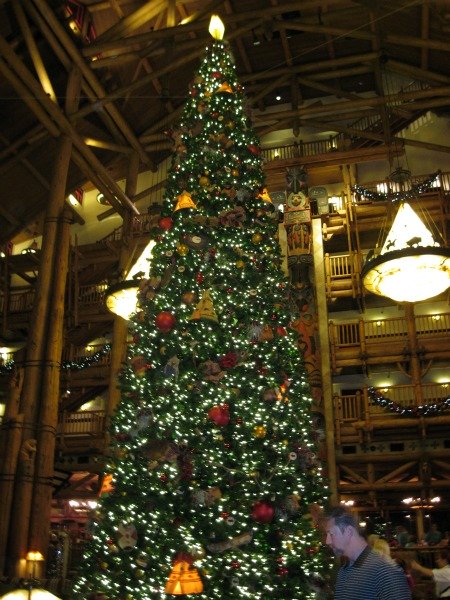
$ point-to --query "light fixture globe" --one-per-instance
(408, 275)
(33, 594)
(411, 266)
(121, 298)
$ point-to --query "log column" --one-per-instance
(324, 340)
(35, 365)
(120, 326)
(48, 415)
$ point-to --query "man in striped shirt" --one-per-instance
(366, 575)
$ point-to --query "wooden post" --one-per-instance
(120, 326)
(48, 415)
(23, 493)
(327, 387)
(415, 367)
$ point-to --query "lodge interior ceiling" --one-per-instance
(133, 60)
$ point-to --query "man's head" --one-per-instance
(442, 558)
(342, 533)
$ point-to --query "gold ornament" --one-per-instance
(257, 238)
(182, 249)
(267, 334)
(205, 309)
(235, 172)
(224, 87)
(259, 431)
(188, 297)
(204, 181)
(184, 200)
(240, 264)
(264, 195)
(183, 580)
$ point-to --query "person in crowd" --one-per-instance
(382, 547)
(434, 536)
(409, 578)
(440, 576)
(445, 542)
(366, 574)
(401, 535)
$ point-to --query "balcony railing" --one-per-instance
(82, 423)
(356, 333)
(357, 407)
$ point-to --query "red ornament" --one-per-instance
(282, 571)
(262, 512)
(165, 321)
(224, 514)
(219, 414)
(281, 330)
(254, 149)
(235, 564)
(199, 277)
(216, 74)
(228, 361)
(165, 223)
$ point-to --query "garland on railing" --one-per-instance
(405, 411)
(85, 361)
(416, 189)
(69, 365)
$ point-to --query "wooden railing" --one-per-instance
(356, 407)
(342, 275)
(82, 423)
(355, 333)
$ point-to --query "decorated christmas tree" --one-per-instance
(216, 483)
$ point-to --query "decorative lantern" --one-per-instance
(184, 579)
(184, 200)
(205, 309)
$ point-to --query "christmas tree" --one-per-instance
(217, 486)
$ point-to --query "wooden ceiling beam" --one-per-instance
(133, 21)
(325, 30)
(425, 33)
(276, 83)
(33, 51)
(175, 64)
(170, 19)
(114, 192)
(67, 63)
(105, 145)
(342, 107)
(379, 81)
(324, 68)
(30, 137)
(254, 16)
(24, 94)
(296, 100)
(241, 48)
(410, 41)
(422, 74)
(90, 77)
(150, 190)
(328, 89)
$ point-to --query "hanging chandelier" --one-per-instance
(411, 266)
(121, 298)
